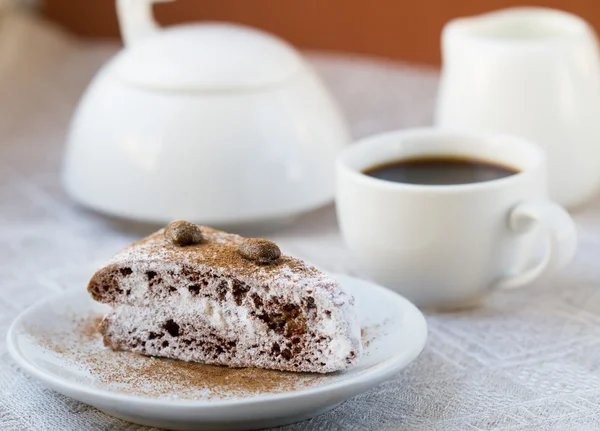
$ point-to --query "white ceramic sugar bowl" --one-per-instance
(215, 123)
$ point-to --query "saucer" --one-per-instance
(55, 341)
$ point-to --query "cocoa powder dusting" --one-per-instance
(369, 333)
(220, 250)
(89, 328)
(159, 378)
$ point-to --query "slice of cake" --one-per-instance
(198, 294)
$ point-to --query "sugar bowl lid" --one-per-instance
(206, 57)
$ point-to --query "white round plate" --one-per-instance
(396, 328)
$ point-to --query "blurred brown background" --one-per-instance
(387, 28)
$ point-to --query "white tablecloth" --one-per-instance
(528, 360)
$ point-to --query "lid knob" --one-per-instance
(136, 20)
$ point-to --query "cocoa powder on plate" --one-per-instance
(158, 377)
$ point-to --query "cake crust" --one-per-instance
(206, 303)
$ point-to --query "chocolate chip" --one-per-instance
(290, 307)
(183, 233)
(125, 271)
(194, 289)
(257, 301)
(238, 290)
(171, 327)
(287, 354)
(260, 250)
(222, 290)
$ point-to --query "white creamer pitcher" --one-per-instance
(532, 72)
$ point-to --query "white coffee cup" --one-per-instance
(447, 246)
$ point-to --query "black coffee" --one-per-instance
(439, 170)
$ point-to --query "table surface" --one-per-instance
(527, 360)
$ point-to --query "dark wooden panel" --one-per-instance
(389, 28)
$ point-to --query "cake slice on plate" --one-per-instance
(198, 294)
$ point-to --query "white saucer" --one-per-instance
(395, 329)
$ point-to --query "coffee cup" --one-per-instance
(447, 245)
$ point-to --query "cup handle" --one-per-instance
(560, 233)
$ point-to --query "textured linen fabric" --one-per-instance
(528, 360)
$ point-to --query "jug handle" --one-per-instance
(136, 19)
